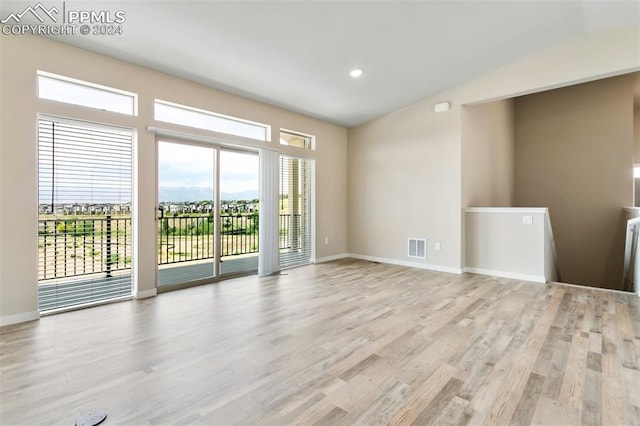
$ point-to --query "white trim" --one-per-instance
(588, 287)
(331, 258)
(18, 318)
(419, 265)
(503, 274)
(519, 210)
(225, 140)
(221, 139)
(83, 83)
(146, 293)
(213, 114)
(304, 135)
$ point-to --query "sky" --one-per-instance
(190, 166)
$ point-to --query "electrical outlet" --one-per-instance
(527, 220)
(326, 240)
(436, 246)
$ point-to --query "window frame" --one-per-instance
(87, 84)
(312, 139)
(188, 108)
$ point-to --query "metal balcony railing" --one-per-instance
(76, 246)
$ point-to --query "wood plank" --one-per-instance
(515, 383)
(573, 378)
(592, 399)
(527, 405)
(422, 396)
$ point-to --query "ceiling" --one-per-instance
(297, 55)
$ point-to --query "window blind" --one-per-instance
(84, 201)
(295, 212)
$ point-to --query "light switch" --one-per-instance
(436, 246)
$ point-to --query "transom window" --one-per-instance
(208, 120)
(298, 140)
(77, 92)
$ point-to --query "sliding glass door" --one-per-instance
(198, 241)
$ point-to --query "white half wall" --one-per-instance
(506, 242)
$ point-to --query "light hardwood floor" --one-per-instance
(345, 342)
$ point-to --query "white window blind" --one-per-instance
(295, 212)
(84, 229)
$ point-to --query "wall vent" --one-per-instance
(417, 248)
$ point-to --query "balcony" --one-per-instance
(89, 257)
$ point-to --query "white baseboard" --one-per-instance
(146, 293)
(407, 263)
(511, 275)
(18, 318)
(330, 258)
(588, 287)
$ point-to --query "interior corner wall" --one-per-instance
(574, 155)
(404, 181)
(488, 154)
(405, 168)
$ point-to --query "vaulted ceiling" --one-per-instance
(297, 55)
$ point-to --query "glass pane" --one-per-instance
(61, 90)
(296, 139)
(186, 116)
(186, 229)
(239, 207)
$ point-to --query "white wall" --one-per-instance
(498, 243)
(405, 167)
(22, 56)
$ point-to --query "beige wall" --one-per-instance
(636, 133)
(574, 155)
(405, 168)
(402, 169)
(21, 56)
(487, 154)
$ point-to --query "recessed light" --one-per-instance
(355, 73)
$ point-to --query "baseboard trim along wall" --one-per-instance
(15, 319)
(407, 263)
(146, 293)
(511, 275)
(588, 287)
(330, 258)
